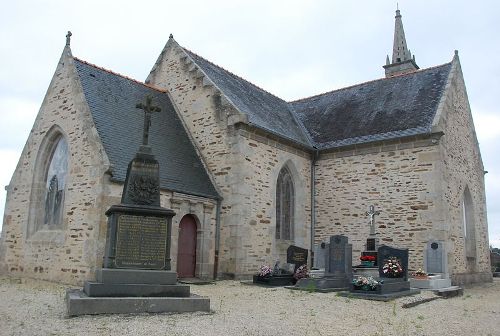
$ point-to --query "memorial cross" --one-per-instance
(148, 108)
(372, 213)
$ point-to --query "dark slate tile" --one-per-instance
(112, 100)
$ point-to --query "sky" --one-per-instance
(291, 48)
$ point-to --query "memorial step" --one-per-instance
(78, 303)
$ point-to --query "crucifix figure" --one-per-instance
(372, 213)
(148, 108)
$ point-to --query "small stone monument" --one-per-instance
(136, 276)
(338, 270)
(436, 267)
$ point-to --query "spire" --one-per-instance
(402, 60)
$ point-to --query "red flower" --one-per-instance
(367, 258)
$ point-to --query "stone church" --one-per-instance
(247, 173)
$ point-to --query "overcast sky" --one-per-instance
(293, 49)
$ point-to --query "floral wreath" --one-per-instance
(368, 282)
(265, 270)
(392, 267)
(301, 272)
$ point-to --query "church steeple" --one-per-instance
(402, 60)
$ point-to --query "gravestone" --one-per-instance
(385, 253)
(436, 266)
(296, 255)
(339, 256)
(320, 255)
(338, 272)
(136, 275)
(435, 258)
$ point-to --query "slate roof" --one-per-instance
(263, 109)
(112, 99)
(387, 108)
(382, 109)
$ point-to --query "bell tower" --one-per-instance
(402, 60)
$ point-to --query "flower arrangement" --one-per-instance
(420, 273)
(265, 270)
(367, 258)
(392, 267)
(366, 283)
(301, 272)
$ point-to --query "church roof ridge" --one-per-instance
(370, 81)
(231, 73)
(120, 75)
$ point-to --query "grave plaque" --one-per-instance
(435, 257)
(141, 242)
(296, 255)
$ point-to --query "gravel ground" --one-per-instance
(32, 307)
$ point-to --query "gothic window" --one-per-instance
(55, 181)
(285, 205)
(468, 224)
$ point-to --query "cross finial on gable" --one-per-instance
(148, 108)
(68, 38)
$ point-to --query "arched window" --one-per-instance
(468, 224)
(55, 181)
(285, 205)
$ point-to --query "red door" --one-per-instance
(186, 255)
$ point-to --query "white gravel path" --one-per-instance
(32, 307)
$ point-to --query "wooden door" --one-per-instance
(186, 255)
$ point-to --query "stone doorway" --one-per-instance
(186, 255)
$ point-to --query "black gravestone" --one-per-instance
(385, 254)
(296, 255)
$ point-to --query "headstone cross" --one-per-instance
(148, 108)
(372, 213)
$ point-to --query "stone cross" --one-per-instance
(148, 108)
(372, 213)
(68, 38)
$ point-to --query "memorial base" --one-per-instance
(433, 282)
(325, 284)
(275, 280)
(118, 291)
(78, 303)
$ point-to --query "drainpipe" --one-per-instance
(217, 236)
(313, 201)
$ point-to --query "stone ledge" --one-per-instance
(132, 276)
(95, 289)
(77, 303)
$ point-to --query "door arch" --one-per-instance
(186, 253)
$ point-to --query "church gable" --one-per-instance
(112, 100)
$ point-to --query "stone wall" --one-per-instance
(263, 159)
(68, 255)
(198, 104)
(401, 179)
(462, 168)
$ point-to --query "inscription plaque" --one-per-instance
(141, 242)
